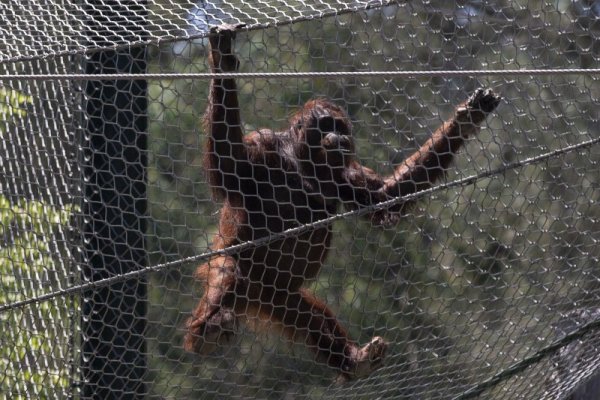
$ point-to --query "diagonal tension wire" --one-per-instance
(362, 6)
(297, 75)
(528, 361)
(298, 230)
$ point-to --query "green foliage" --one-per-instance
(13, 104)
(28, 350)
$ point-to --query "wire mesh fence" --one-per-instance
(487, 287)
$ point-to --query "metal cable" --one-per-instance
(298, 230)
(369, 5)
(288, 75)
(528, 361)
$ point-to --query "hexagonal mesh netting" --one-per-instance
(486, 287)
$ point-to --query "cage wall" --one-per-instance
(473, 280)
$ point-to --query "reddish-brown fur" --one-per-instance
(273, 181)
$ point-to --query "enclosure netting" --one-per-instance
(488, 288)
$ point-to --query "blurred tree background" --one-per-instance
(471, 280)
(474, 279)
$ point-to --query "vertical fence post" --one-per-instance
(114, 161)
